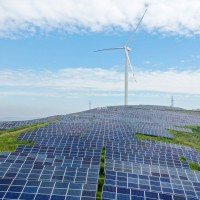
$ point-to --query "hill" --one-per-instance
(118, 152)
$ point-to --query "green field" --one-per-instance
(8, 138)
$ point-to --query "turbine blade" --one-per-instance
(130, 65)
(116, 48)
(132, 36)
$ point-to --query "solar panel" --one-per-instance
(13, 124)
(65, 160)
(153, 170)
(153, 183)
(33, 189)
(112, 192)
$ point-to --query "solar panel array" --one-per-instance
(64, 162)
(153, 170)
(12, 124)
(154, 120)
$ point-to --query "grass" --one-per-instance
(185, 111)
(101, 178)
(182, 138)
(194, 166)
(156, 138)
(81, 137)
(8, 138)
(182, 158)
(179, 137)
(11, 130)
(195, 129)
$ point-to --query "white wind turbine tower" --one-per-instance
(127, 59)
(172, 101)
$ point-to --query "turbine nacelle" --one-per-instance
(127, 48)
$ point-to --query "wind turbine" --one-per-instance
(127, 59)
(90, 105)
(172, 101)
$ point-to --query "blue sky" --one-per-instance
(48, 67)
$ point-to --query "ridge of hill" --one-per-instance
(109, 153)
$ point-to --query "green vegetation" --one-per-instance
(182, 138)
(101, 178)
(195, 129)
(156, 138)
(19, 128)
(81, 137)
(182, 158)
(194, 166)
(8, 138)
(185, 111)
(179, 137)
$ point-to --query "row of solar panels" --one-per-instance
(45, 190)
(144, 120)
(136, 150)
(153, 170)
(13, 124)
(65, 160)
(151, 183)
(121, 152)
(121, 193)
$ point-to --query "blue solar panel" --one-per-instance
(64, 162)
(12, 124)
(112, 193)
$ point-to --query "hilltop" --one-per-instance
(117, 152)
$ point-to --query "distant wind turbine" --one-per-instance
(172, 101)
(90, 105)
(127, 59)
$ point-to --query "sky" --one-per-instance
(48, 65)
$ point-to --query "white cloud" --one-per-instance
(26, 93)
(177, 16)
(33, 94)
(195, 56)
(98, 80)
(147, 62)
